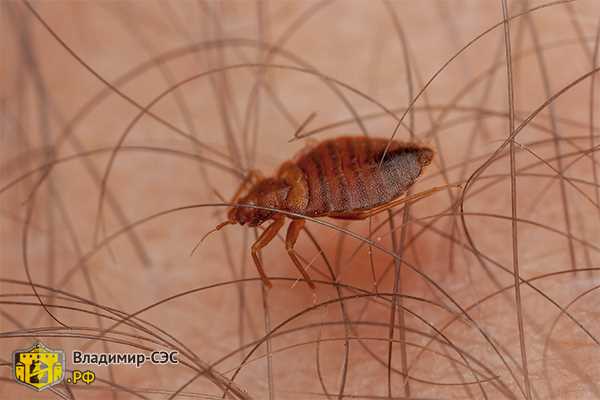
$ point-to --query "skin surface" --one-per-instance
(484, 291)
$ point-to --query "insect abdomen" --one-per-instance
(343, 174)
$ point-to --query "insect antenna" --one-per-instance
(218, 227)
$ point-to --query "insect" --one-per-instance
(343, 178)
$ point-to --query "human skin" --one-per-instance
(195, 94)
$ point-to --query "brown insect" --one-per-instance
(343, 178)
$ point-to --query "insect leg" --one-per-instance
(261, 242)
(290, 240)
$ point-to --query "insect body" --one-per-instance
(344, 178)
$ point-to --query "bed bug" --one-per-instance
(344, 178)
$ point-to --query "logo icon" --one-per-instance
(39, 367)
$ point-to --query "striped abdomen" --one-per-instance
(343, 174)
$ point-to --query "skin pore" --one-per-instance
(127, 131)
